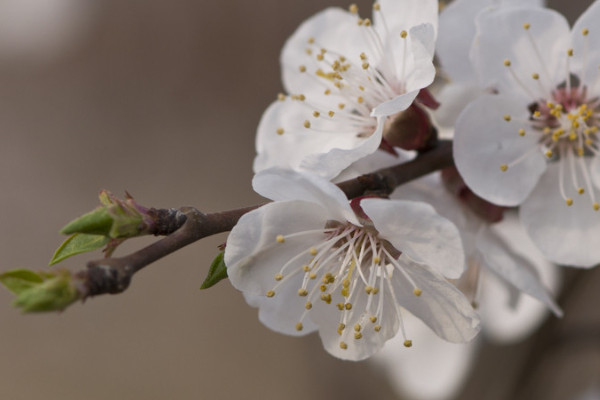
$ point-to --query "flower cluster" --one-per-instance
(520, 98)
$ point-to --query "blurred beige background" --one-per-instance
(159, 98)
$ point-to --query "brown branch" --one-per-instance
(188, 225)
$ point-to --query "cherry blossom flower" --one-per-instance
(347, 78)
(312, 260)
(534, 143)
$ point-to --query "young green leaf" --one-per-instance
(19, 280)
(216, 272)
(78, 243)
(97, 222)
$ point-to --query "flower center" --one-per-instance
(351, 270)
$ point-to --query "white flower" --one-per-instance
(310, 263)
(346, 77)
(535, 143)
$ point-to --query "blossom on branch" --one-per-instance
(535, 143)
(312, 260)
(347, 79)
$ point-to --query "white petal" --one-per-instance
(453, 99)
(540, 49)
(373, 162)
(253, 256)
(328, 317)
(441, 306)
(329, 164)
(402, 15)
(395, 105)
(280, 184)
(415, 229)
(283, 140)
(422, 73)
(283, 313)
(431, 369)
(585, 48)
(565, 235)
(595, 171)
(484, 141)
(430, 189)
(333, 29)
(511, 265)
(456, 34)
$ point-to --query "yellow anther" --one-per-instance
(302, 68)
(549, 153)
(570, 52)
(363, 56)
(376, 6)
(369, 289)
(507, 63)
(503, 167)
(376, 260)
(357, 335)
(340, 306)
(547, 130)
(326, 298)
(535, 76)
(569, 201)
(341, 327)
(280, 131)
(360, 99)
(301, 97)
(507, 118)
(375, 290)
(572, 136)
(522, 132)
(323, 288)
(313, 251)
(377, 328)
(346, 282)
(594, 129)
(408, 343)
(305, 268)
(367, 22)
(537, 114)
(417, 292)
(308, 51)
(580, 151)
(341, 106)
(373, 319)
(526, 26)
(361, 88)
(311, 40)
(360, 22)
(585, 31)
(270, 293)
(327, 92)
(357, 327)
(312, 275)
(345, 292)
(278, 277)
(403, 34)
(320, 57)
(308, 305)
(331, 114)
(299, 326)
(302, 292)
(580, 190)
(353, 8)
(316, 114)
(348, 306)
(280, 239)
(281, 97)
(365, 65)
(596, 206)
(343, 346)
(589, 142)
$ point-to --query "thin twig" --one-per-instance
(188, 225)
